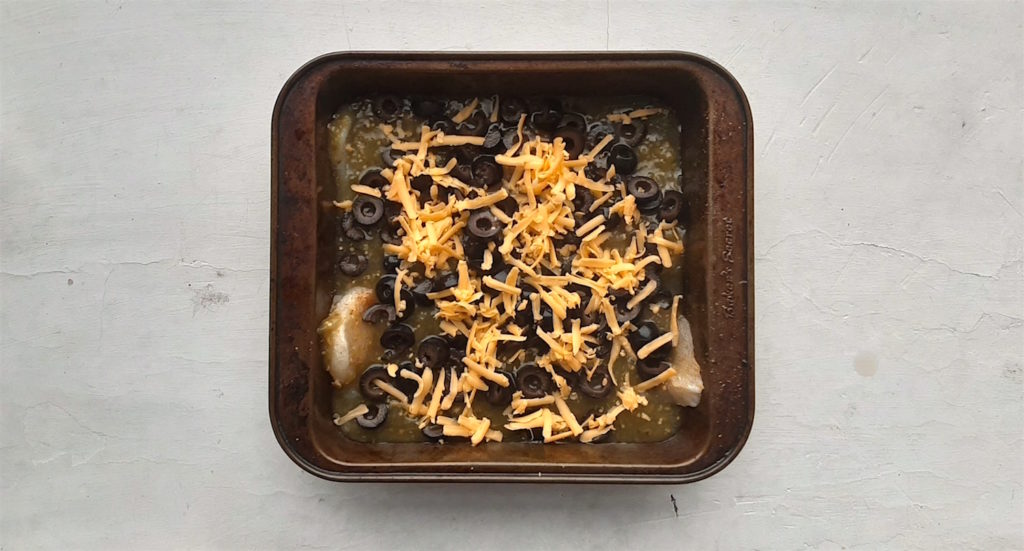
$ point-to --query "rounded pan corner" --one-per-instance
(282, 439)
(715, 67)
(734, 450)
(306, 463)
(301, 73)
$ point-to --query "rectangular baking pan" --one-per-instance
(717, 145)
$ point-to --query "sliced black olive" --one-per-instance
(602, 350)
(595, 172)
(671, 206)
(510, 109)
(456, 343)
(372, 178)
(547, 116)
(582, 291)
(492, 139)
(568, 245)
(597, 131)
(446, 281)
(398, 337)
(390, 155)
(592, 317)
(652, 207)
(462, 173)
(427, 108)
(582, 201)
(524, 317)
(530, 133)
(422, 183)
(387, 107)
(644, 189)
(410, 366)
(484, 225)
(475, 248)
(375, 417)
(574, 140)
(655, 267)
(569, 376)
(536, 343)
(353, 264)
(476, 125)
(502, 274)
(631, 133)
(500, 395)
(380, 313)
(351, 230)
(566, 267)
(392, 210)
(624, 313)
(420, 290)
(612, 222)
(644, 333)
(390, 234)
(433, 351)
(575, 120)
(623, 157)
(509, 205)
(661, 298)
(347, 221)
(486, 172)
(507, 348)
(534, 434)
(547, 319)
(465, 154)
(533, 380)
(433, 432)
(649, 277)
(367, 210)
(510, 137)
(357, 233)
(598, 168)
(446, 126)
(406, 386)
(385, 289)
(569, 238)
(443, 192)
(367, 388)
(598, 386)
(648, 368)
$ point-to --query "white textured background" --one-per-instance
(135, 236)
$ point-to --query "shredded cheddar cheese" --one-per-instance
(366, 190)
(556, 266)
(357, 411)
(466, 112)
(659, 379)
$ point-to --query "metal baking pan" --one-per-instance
(717, 147)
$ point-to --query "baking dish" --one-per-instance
(718, 265)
